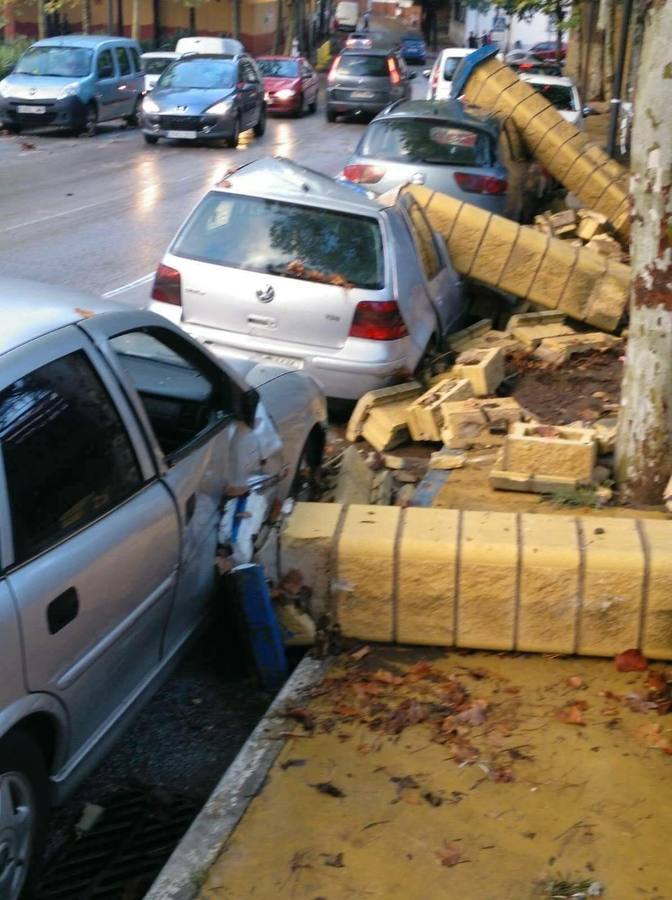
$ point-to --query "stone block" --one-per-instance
(559, 349)
(530, 328)
(606, 245)
(479, 423)
(488, 576)
(424, 414)
(657, 620)
(549, 584)
(578, 295)
(464, 339)
(307, 543)
(484, 369)
(550, 450)
(489, 262)
(427, 567)
(610, 615)
(521, 266)
(588, 227)
(608, 299)
(466, 237)
(553, 273)
(385, 427)
(398, 393)
(447, 459)
(501, 479)
(363, 586)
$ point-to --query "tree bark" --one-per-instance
(86, 16)
(644, 440)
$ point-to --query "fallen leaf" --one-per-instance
(333, 859)
(361, 653)
(575, 681)
(656, 681)
(449, 855)
(631, 661)
(326, 787)
(570, 715)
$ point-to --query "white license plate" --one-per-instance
(362, 95)
(37, 110)
(289, 362)
(182, 135)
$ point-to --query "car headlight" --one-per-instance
(221, 108)
(285, 94)
(150, 106)
(4, 88)
(68, 91)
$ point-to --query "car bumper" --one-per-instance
(413, 55)
(275, 105)
(202, 127)
(361, 106)
(66, 113)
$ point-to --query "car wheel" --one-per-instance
(306, 482)
(90, 120)
(24, 810)
(331, 115)
(133, 119)
(151, 138)
(235, 137)
(260, 127)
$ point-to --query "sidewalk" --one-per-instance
(416, 774)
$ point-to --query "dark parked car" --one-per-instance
(366, 81)
(290, 84)
(206, 97)
(413, 48)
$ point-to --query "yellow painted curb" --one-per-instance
(489, 580)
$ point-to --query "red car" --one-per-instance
(548, 50)
(290, 84)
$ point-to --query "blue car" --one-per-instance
(413, 49)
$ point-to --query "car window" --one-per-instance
(122, 61)
(63, 62)
(284, 239)
(449, 66)
(428, 141)
(363, 66)
(279, 68)
(105, 67)
(67, 456)
(424, 241)
(204, 73)
(156, 65)
(184, 394)
(560, 95)
(135, 59)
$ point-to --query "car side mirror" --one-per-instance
(426, 73)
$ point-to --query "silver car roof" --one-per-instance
(277, 178)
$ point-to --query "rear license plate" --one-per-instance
(28, 110)
(362, 95)
(182, 135)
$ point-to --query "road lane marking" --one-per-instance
(127, 287)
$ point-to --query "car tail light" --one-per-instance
(362, 174)
(167, 286)
(378, 320)
(395, 77)
(333, 69)
(480, 184)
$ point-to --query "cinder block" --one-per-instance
(447, 459)
(464, 339)
(577, 297)
(398, 393)
(605, 435)
(530, 328)
(484, 369)
(488, 574)
(553, 274)
(613, 585)
(424, 414)
(523, 262)
(609, 297)
(385, 426)
(589, 226)
(307, 544)
(559, 349)
(549, 584)
(657, 636)
(488, 264)
(501, 479)
(479, 423)
(606, 245)
(552, 450)
(363, 587)
(466, 237)
(427, 566)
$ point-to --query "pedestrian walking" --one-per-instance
(472, 41)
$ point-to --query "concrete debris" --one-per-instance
(298, 628)
(479, 423)
(559, 349)
(533, 327)
(354, 478)
(601, 474)
(381, 488)
(391, 461)
(558, 224)
(483, 368)
(606, 246)
(398, 394)
(469, 337)
(385, 426)
(424, 414)
(447, 459)
(405, 495)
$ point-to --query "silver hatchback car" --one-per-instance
(282, 263)
(120, 440)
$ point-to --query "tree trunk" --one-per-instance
(135, 20)
(41, 20)
(560, 15)
(644, 441)
(86, 16)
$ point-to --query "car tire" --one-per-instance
(134, 118)
(260, 127)
(150, 138)
(235, 137)
(90, 125)
(24, 785)
(330, 115)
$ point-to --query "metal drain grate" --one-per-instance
(120, 857)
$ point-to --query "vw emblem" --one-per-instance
(265, 294)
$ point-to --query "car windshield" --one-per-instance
(427, 141)
(279, 68)
(61, 62)
(285, 239)
(199, 73)
(363, 66)
(560, 95)
(155, 65)
(451, 63)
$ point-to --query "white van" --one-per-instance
(346, 15)
(208, 45)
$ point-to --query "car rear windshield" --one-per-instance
(284, 239)
(560, 95)
(61, 62)
(201, 73)
(155, 65)
(427, 141)
(363, 66)
(279, 68)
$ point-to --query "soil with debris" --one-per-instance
(587, 387)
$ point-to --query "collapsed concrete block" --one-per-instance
(447, 459)
(479, 423)
(483, 368)
(501, 479)
(354, 478)
(587, 228)
(306, 542)
(606, 245)
(398, 393)
(550, 450)
(559, 349)
(424, 414)
(657, 632)
(482, 336)
(531, 328)
(385, 426)
(464, 339)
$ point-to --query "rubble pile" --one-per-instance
(582, 228)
